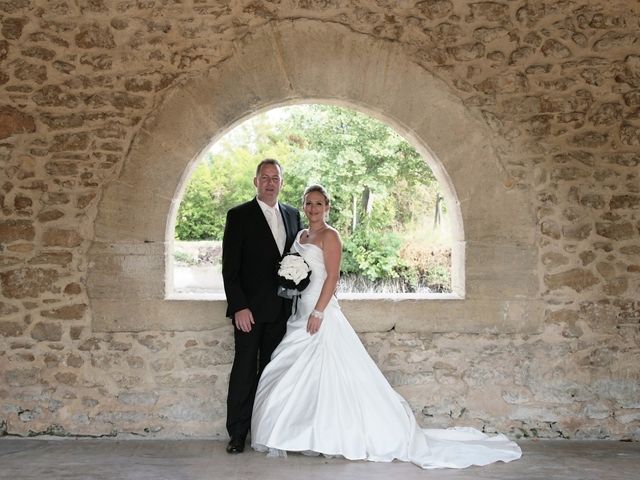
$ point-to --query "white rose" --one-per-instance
(293, 267)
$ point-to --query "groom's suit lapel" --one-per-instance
(288, 227)
(285, 218)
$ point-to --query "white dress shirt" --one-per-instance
(274, 219)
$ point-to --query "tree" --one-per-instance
(382, 189)
(225, 179)
(361, 161)
(198, 216)
(357, 157)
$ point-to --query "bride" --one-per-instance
(322, 393)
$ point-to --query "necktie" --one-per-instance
(276, 229)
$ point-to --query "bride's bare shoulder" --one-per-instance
(330, 236)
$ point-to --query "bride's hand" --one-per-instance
(313, 324)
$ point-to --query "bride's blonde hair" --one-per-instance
(317, 188)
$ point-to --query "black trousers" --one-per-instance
(252, 353)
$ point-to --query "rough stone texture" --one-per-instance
(11, 329)
(46, 331)
(27, 282)
(557, 85)
(56, 237)
(70, 312)
(577, 279)
(13, 121)
(12, 230)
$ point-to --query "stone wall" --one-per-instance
(556, 82)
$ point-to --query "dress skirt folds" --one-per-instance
(324, 394)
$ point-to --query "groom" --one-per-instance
(256, 235)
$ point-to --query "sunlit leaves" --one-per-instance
(383, 192)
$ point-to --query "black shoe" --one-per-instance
(235, 445)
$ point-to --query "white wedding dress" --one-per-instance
(324, 394)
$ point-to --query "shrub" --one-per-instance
(427, 265)
(184, 258)
(374, 255)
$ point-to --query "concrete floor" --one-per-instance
(70, 459)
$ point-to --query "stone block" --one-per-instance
(616, 286)
(624, 201)
(132, 213)
(12, 230)
(465, 316)
(552, 260)
(113, 315)
(67, 378)
(61, 237)
(145, 399)
(616, 231)
(136, 275)
(577, 279)
(50, 215)
(497, 205)
(61, 258)
(502, 271)
(68, 312)
(75, 361)
(73, 289)
(11, 329)
(95, 36)
(206, 357)
(23, 377)
(7, 309)
(13, 121)
(630, 135)
(555, 49)
(50, 332)
(70, 142)
(491, 12)
(28, 282)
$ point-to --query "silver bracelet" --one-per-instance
(317, 313)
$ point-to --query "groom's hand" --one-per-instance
(244, 320)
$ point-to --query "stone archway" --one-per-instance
(496, 280)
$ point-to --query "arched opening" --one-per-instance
(398, 245)
(308, 61)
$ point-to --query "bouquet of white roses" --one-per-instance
(293, 275)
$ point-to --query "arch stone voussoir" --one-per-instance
(495, 261)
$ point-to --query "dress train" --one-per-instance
(324, 394)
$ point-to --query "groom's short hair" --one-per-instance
(269, 161)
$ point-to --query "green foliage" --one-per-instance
(381, 188)
(359, 159)
(439, 276)
(197, 215)
(372, 254)
(184, 258)
(225, 178)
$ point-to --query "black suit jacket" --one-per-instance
(250, 258)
